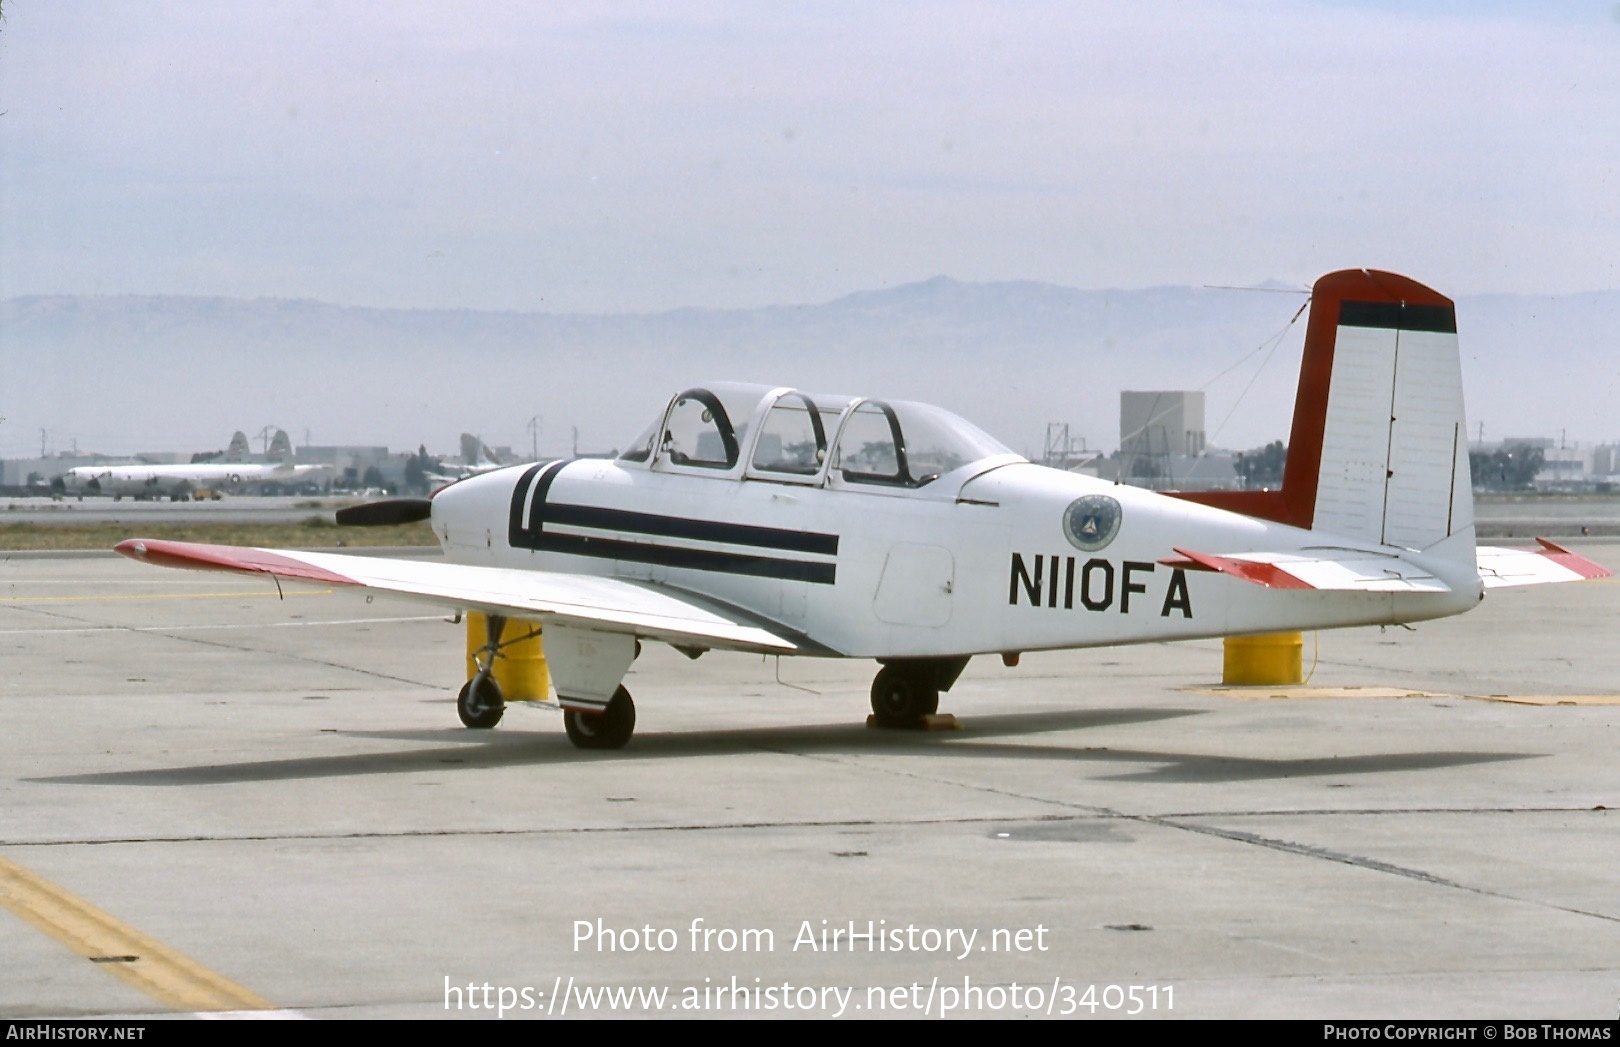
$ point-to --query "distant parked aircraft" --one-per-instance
(476, 459)
(178, 482)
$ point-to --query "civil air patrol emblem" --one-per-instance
(1091, 522)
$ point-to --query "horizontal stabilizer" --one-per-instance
(1550, 563)
(606, 604)
(1333, 569)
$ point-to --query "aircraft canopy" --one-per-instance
(791, 436)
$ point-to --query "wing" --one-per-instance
(605, 604)
(1549, 563)
(1336, 569)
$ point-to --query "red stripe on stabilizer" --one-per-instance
(199, 557)
(1295, 503)
(1269, 575)
(1573, 561)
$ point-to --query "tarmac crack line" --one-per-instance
(1357, 861)
(160, 631)
(1090, 809)
(578, 830)
(303, 658)
(1238, 836)
(1101, 814)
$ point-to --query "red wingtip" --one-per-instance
(200, 557)
(1574, 561)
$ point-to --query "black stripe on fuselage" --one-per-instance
(696, 559)
(1396, 316)
(529, 518)
(703, 530)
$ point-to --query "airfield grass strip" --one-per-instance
(316, 532)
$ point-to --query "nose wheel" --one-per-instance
(609, 729)
(480, 703)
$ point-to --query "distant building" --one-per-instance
(1558, 466)
(1162, 444)
(351, 463)
(1161, 423)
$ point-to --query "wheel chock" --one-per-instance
(931, 722)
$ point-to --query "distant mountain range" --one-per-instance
(124, 373)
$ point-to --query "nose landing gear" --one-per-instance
(480, 703)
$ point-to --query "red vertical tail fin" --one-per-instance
(1378, 449)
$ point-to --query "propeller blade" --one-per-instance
(392, 511)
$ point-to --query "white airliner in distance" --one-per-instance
(476, 459)
(178, 482)
(782, 522)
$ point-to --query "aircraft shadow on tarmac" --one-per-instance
(481, 750)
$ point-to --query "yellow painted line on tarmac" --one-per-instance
(161, 596)
(172, 979)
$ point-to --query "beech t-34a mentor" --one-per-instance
(790, 523)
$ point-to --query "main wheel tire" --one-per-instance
(902, 696)
(608, 729)
(484, 711)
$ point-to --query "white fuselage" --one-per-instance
(976, 561)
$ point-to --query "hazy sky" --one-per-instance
(619, 157)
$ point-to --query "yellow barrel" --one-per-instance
(520, 668)
(1276, 658)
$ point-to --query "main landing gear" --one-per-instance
(906, 691)
(902, 696)
(609, 729)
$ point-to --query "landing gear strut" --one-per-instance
(480, 703)
(609, 729)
